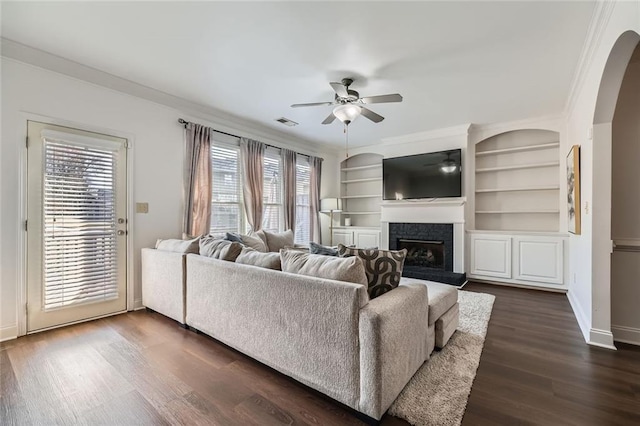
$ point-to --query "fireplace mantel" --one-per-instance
(428, 211)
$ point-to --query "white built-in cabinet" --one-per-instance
(527, 259)
(361, 194)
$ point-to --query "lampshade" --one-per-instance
(346, 113)
(331, 204)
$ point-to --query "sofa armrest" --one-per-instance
(163, 282)
(393, 345)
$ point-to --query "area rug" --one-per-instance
(438, 393)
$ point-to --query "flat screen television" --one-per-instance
(430, 175)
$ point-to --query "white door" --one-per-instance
(76, 225)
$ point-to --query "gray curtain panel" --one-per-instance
(289, 179)
(315, 164)
(197, 180)
(252, 153)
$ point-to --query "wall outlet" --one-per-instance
(142, 207)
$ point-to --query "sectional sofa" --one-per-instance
(324, 333)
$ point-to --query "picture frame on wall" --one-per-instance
(573, 189)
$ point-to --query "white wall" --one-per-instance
(157, 155)
(589, 292)
(625, 289)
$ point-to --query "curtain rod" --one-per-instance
(185, 122)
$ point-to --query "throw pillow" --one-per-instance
(276, 241)
(249, 256)
(219, 248)
(255, 240)
(315, 248)
(349, 269)
(179, 246)
(232, 236)
(383, 267)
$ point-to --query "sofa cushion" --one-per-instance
(442, 297)
(276, 241)
(315, 248)
(327, 267)
(255, 240)
(179, 246)
(219, 248)
(383, 267)
(249, 256)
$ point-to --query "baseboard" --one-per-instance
(8, 332)
(583, 321)
(601, 339)
(137, 304)
(626, 334)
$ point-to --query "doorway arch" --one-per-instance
(601, 242)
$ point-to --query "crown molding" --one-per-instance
(187, 109)
(599, 21)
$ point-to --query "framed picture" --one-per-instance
(573, 189)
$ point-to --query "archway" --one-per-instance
(625, 208)
(602, 178)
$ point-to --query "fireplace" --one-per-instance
(428, 254)
(429, 251)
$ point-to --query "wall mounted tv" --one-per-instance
(430, 175)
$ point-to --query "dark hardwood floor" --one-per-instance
(142, 368)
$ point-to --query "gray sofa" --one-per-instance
(326, 334)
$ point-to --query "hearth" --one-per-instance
(429, 251)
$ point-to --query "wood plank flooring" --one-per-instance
(142, 368)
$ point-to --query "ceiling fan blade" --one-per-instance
(329, 119)
(311, 104)
(382, 99)
(376, 118)
(339, 89)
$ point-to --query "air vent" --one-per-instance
(286, 122)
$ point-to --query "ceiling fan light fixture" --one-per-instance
(346, 113)
(448, 166)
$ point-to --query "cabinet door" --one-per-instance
(367, 239)
(539, 259)
(491, 255)
(341, 236)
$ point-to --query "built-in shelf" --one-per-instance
(518, 149)
(373, 179)
(378, 212)
(523, 188)
(353, 169)
(517, 211)
(362, 196)
(519, 167)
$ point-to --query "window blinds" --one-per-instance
(79, 229)
(226, 191)
(303, 209)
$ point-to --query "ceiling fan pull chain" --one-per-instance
(346, 131)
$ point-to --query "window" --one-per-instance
(303, 209)
(226, 198)
(272, 191)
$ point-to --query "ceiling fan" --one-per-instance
(349, 104)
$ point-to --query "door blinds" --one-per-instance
(79, 224)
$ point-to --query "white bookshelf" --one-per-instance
(361, 190)
(517, 181)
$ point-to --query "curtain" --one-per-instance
(253, 177)
(315, 164)
(289, 179)
(197, 180)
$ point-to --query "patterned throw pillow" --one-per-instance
(315, 248)
(383, 267)
(219, 248)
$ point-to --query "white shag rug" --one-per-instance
(438, 392)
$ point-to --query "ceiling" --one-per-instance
(453, 62)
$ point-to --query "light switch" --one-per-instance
(142, 207)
